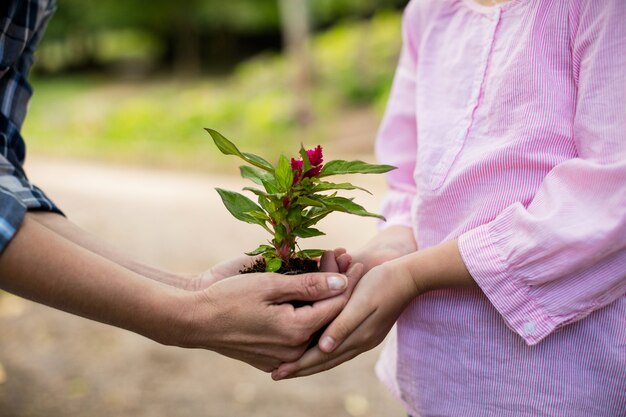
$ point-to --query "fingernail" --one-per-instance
(337, 283)
(327, 344)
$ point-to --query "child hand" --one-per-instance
(378, 300)
(389, 244)
(335, 261)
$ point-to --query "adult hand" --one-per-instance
(332, 261)
(378, 300)
(220, 271)
(249, 318)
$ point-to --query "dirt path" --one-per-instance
(54, 364)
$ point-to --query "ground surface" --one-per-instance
(54, 364)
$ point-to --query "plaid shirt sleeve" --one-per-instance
(22, 23)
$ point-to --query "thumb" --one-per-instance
(308, 287)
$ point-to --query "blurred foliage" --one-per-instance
(358, 58)
(160, 121)
(161, 35)
(329, 11)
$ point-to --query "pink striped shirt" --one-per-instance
(508, 125)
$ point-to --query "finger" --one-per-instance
(232, 267)
(312, 318)
(325, 366)
(312, 362)
(322, 312)
(339, 251)
(343, 262)
(305, 287)
(311, 358)
(270, 357)
(328, 263)
(356, 312)
(354, 274)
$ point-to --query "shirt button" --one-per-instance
(529, 327)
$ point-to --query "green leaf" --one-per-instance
(240, 206)
(346, 205)
(305, 232)
(314, 211)
(254, 175)
(262, 193)
(258, 215)
(306, 162)
(306, 201)
(256, 161)
(284, 173)
(223, 144)
(311, 253)
(273, 264)
(229, 148)
(264, 201)
(260, 250)
(271, 186)
(306, 183)
(353, 167)
(279, 233)
(255, 191)
(325, 186)
(294, 217)
(313, 220)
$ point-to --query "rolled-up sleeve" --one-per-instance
(564, 256)
(23, 25)
(12, 213)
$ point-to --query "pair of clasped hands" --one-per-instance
(351, 296)
(356, 298)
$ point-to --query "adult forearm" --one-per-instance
(261, 326)
(40, 265)
(75, 234)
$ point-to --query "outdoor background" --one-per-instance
(123, 90)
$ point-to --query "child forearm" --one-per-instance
(378, 300)
(435, 268)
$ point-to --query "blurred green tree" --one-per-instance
(296, 28)
(184, 36)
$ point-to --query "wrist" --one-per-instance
(401, 272)
(191, 282)
(189, 319)
(172, 316)
(437, 267)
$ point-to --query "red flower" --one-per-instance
(315, 156)
(313, 172)
(296, 167)
(296, 164)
